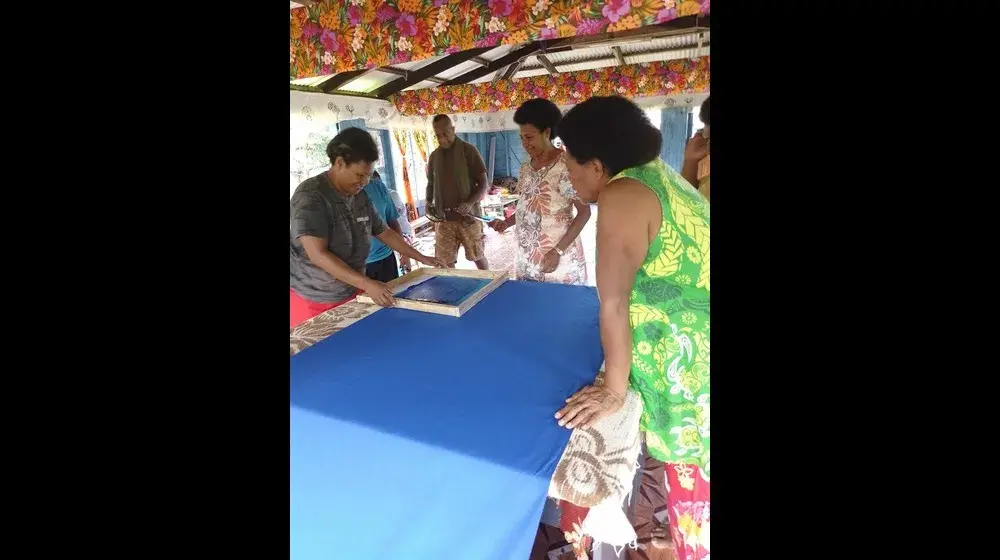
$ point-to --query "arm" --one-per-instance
(622, 242)
(694, 151)
(396, 242)
(478, 170)
(394, 226)
(430, 182)
(319, 254)
(310, 224)
(576, 226)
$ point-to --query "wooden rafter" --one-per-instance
(338, 80)
(544, 61)
(425, 72)
(618, 55)
(503, 61)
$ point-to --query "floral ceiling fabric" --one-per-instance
(340, 35)
(649, 79)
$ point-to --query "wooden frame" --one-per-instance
(419, 275)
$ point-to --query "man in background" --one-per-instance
(381, 263)
(456, 182)
(697, 157)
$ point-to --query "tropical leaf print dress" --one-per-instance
(669, 310)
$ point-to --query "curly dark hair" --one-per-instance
(540, 113)
(352, 144)
(706, 112)
(612, 130)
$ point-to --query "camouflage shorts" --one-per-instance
(450, 235)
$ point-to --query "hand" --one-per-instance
(380, 293)
(697, 148)
(589, 405)
(499, 225)
(454, 216)
(551, 261)
(432, 261)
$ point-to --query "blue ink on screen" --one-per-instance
(449, 290)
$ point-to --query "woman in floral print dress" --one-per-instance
(548, 234)
(653, 279)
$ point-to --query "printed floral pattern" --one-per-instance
(671, 318)
(336, 36)
(544, 213)
(632, 80)
(689, 511)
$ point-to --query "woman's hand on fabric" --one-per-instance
(588, 405)
(696, 149)
(551, 261)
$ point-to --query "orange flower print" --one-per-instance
(688, 8)
(330, 19)
(412, 6)
(296, 29)
(630, 21)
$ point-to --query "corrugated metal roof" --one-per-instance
(369, 82)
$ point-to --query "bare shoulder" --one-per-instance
(628, 202)
(626, 194)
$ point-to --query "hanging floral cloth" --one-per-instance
(403, 141)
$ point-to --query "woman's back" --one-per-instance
(669, 309)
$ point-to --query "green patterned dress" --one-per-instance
(669, 311)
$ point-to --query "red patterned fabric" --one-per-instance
(688, 508)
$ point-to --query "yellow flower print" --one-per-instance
(688, 8)
(688, 437)
(630, 21)
(660, 385)
(693, 255)
(682, 279)
(644, 348)
(689, 318)
(515, 38)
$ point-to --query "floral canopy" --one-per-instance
(334, 36)
(649, 79)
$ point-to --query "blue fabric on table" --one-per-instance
(424, 436)
(450, 290)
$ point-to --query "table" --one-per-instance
(451, 459)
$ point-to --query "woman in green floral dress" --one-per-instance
(653, 280)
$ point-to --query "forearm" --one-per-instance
(690, 172)
(396, 242)
(616, 338)
(394, 226)
(575, 227)
(479, 191)
(329, 263)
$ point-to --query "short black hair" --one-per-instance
(540, 113)
(706, 112)
(439, 118)
(352, 144)
(612, 130)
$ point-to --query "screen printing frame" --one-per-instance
(400, 284)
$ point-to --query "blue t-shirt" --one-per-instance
(379, 195)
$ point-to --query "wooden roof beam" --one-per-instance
(503, 61)
(429, 71)
(338, 80)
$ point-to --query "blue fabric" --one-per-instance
(414, 435)
(450, 290)
(379, 195)
(675, 129)
(388, 172)
(356, 123)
